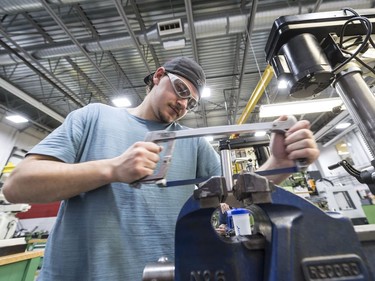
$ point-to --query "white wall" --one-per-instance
(328, 156)
(358, 152)
(10, 137)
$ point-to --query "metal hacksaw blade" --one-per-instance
(288, 170)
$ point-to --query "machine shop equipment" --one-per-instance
(8, 219)
(310, 53)
(283, 244)
(292, 239)
(342, 198)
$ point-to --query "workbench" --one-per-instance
(20, 267)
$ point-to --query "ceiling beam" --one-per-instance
(144, 31)
(250, 26)
(75, 41)
(190, 19)
(25, 97)
(49, 39)
(72, 96)
(193, 42)
(125, 19)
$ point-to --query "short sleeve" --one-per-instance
(65, 141)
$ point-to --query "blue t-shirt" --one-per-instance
(112, 232)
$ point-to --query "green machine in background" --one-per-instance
(20, 267)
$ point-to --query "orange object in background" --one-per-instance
(312, 185)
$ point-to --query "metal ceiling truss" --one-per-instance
(68, 53)
(67, 92)
(76, 42)
(49, 39)
(250, 26)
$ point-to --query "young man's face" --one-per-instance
(168, 102)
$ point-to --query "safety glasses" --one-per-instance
(183, 91)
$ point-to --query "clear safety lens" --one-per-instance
(182, 90)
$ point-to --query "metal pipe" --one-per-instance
(249, 31)
(360, 102)
(226, 165)
(189, 15)
(257, 94)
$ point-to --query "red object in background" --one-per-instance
(40, 211)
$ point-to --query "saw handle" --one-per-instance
(281, 127)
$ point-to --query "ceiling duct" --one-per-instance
(203, 29)
(20, 6)
(170, 27)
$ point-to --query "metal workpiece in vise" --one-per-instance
(251, 188)
(248, 189)
(213, 188)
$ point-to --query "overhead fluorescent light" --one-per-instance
(206, 92)
(121, 102)
(283, 84)
(343, 125)
(300, 107)
(17, 119)
(209, 138)
(174, 44)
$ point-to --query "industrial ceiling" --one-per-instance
(59, 55)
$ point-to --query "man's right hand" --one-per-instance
(138, 161)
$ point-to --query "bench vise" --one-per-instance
(291, 240)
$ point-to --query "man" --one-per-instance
(105, 229)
